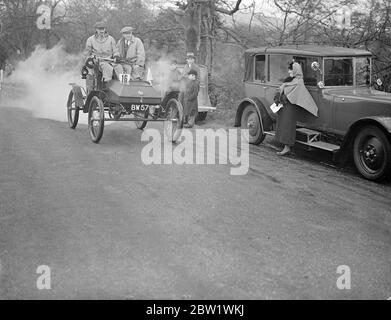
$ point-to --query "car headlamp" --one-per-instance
(84, 72)
(90, 63)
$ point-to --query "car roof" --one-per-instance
(312, 50)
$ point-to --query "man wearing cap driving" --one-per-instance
(132, 50)
(102, 45)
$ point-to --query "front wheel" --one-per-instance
(174, 123)
(252, 122)
(96, 119)
(372, 153)
(72, 111)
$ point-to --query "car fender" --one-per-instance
(78, 95)
(170, 95)
(266, 120)
(380, 121)
(89, 97)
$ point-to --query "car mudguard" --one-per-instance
(89, 97)
(170, 95)
(382, 122)
(266, 120)
(78, 95)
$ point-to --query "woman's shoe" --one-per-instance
(284, 152)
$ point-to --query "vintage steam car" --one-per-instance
(354, 119)
(125, 99)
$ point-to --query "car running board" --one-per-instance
(310, 138)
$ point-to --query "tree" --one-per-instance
(18, 18)
(201, 21)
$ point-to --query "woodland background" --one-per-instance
(217, 31)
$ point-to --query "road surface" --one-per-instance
(110, 227)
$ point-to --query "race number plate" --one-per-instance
(139, 107)
(124, 77)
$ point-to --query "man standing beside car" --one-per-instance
(190, 66)
(102, 45)
(132, 53)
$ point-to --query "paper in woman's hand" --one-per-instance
(276, 107)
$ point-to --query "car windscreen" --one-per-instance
(278, 68)
(338, 71)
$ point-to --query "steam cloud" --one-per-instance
(44, 81)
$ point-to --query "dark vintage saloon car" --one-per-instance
(354, 119)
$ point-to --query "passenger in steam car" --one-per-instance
(102, 45)
(292, 94)
(132, 54)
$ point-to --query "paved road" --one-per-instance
(110, 227)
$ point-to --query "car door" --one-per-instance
(324, 121)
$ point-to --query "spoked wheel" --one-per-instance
(372, 153)
(142, 124)
(174, 124)
(72, 111)
(96, 119)
(251, 121)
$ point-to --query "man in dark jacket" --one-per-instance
(191, 65)
(191, 99)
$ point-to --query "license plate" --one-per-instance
(139, 107)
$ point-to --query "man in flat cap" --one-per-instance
(102, 45)
(191, 65)
(131, 49)
(190, 99)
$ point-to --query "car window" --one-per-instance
(278, 67)
(309, 75)
(260, 67)
(338, 72)
(363, 71)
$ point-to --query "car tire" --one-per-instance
(174, 124)
(201, 116)
(372, 153)
(250, 120)
(142, 124)
(73, 115)
(96, 124)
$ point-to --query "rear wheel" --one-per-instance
(372, 153)
(252, 122)
(142, 124)
(72, 111)
(96, 119)
(174, 124)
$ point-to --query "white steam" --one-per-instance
(44, 80)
